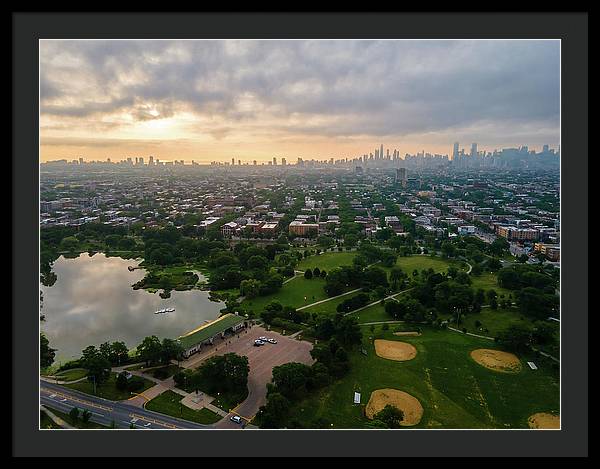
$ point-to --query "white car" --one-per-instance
(258, 342)
(264, 339)
(271, 341)
(236, 419)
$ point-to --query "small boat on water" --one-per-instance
(164, 310)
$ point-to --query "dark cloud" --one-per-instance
(354, 87)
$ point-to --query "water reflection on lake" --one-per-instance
(92, 302)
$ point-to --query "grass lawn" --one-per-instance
(291, 294)
(327, 261)
(410, 263)
(169, 403)
(71, 375)
(454, 390)
(493, 320)
(372, 314)
(169, 370)
(77, 423)
(108, 389)
(329, 307)
(488, 281)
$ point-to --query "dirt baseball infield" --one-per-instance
(497, 360)
(544, 420)
(393, 350)
(409, 405)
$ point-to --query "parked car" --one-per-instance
(264, 339)
(271, 340)
(236, 419)
(258, 342)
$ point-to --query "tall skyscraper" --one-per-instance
(283, 161)
(141, 160)
(151, 160)
(381, 151)
(455, 151)
(232, 161)
(274, 161)
(473, 150)
(401, 176)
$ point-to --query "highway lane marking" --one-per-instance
(81, 401)
(147, 419)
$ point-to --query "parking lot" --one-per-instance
(261, 359)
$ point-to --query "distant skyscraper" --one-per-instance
(80, 160)
(141, 160)
(232, 161)
(545, 149)
(254, 162)
(473, 150)
(455, 151)
(239, 162)
(151, 160)
(274, 161)
(381, 151)
(283, 161)
(401, 176)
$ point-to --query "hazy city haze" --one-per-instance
(217, 100)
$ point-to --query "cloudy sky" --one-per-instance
(214, 100)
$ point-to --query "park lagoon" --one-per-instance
(93, 301)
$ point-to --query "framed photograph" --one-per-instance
(300, 231)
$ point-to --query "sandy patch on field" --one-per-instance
(544, 420)
(497, 360)
(409, 405)
(393, 350)
(413, 333)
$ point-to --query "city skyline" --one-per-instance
(253, 100)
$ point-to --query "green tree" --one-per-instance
(150, 350)
(47, 353)
(391, 416)
(97, 365)
(86, 415)
(308, 274)
(74, 415)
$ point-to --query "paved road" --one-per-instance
(63, 399)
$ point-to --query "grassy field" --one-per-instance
(291, 294)
(329, 307)
(454, 390)
(108, 389)
(327, 261)
(488, 281)
(372, 314)
(410, 263)
(493, 320)
(169, 403)
(71, 375)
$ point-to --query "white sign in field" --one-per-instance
(532, 365)
(357, 398)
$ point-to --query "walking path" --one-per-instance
(391, 297)
(55, 418)
(379, 322)
(51, 379)
(328, 299)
